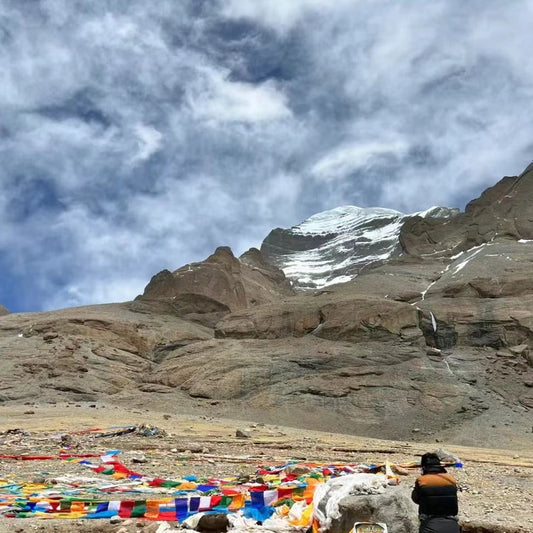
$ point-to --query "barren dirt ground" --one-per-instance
(497, 485)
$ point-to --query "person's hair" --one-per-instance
(431, 463)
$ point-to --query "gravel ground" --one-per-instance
(496, 485)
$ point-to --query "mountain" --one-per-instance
(206, 291)
(501, 211)
(3, 310)
(431, 337)
(334, 246)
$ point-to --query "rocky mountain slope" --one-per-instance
(433, 343)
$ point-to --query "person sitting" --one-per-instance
(435, 492)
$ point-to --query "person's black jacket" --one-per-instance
(436, 494)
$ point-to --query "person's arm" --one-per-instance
(415, 495)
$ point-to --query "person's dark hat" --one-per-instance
(431, 463)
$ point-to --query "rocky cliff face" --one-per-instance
(501, 211)
(206, 291)
(427, 344)
(3, 310)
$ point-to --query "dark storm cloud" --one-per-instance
(136, 136)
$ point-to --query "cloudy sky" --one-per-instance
(138, 135)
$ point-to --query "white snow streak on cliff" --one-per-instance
(461, 265)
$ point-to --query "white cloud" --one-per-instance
(279, 14)
(149, 141)
(136, 136)
(214, 97)
(337, 164)
(110, 289)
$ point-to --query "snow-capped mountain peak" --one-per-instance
(333, 246)
(342, 218)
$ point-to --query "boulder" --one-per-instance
(521, 349)
(365, 497)
(213, 523)
(297, 470)
(446, 456)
